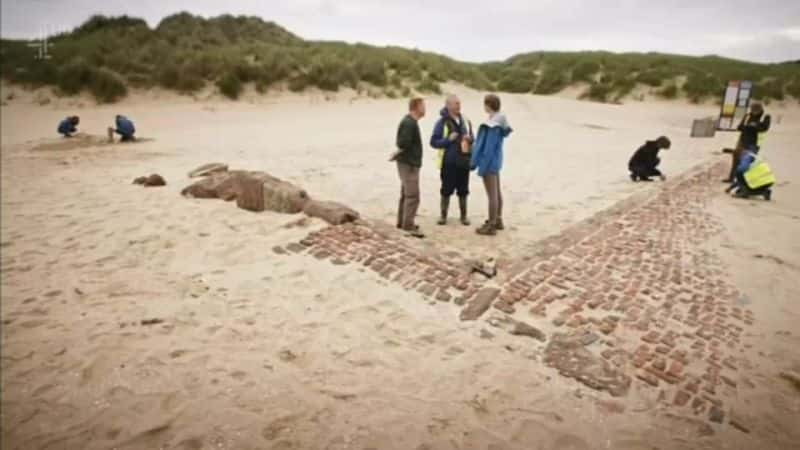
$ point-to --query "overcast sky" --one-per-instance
(763, 30)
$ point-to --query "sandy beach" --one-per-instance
(134, 318)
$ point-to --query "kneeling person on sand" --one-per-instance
(487, 158)
(644, 163)
(409, 161)
(123, 127)
(69, 125)
(752, 177)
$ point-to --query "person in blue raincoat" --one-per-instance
(123, 127)
(68, 126)
(487, 158)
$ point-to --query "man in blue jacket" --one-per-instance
(124, 128)
(69, 125)
(487, 158)
(452, 135)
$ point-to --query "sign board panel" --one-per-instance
(735, 101)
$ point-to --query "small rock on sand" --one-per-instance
(792, 378)
(154, 321)
(207, 169)
(738, 421)
(480, 304)
(150, 181)
(523, 329)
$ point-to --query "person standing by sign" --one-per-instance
(750, 134)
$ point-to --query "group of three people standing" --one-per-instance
(458, 152)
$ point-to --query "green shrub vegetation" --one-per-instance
(107, 86)
(669, 91)
(598, 92)
(230, 85)
(107, 55)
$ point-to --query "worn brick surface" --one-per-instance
(636, 275)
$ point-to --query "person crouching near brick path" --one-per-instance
(452, 136)
(409, 161)
(487, 158)
(644, 162)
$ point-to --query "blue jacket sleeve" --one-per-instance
(478, 149)
(437, 138)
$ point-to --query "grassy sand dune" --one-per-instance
(107, 56)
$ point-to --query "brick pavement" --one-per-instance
(629, 296)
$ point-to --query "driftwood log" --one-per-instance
(259, 191)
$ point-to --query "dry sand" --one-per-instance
(258, 350)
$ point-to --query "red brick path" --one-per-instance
(634, 286)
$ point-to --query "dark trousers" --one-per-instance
(644, 172)
(454, 179)
(125, 137)
(736, 156)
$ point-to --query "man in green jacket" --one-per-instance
(409, 161)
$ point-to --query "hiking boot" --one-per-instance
(445, 205)
(462, 205)
(497, 226)
(486, 229)
(415, 232)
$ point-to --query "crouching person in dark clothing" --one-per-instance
(123, 127)
(644, 163)
(452, 136)
(69, 126)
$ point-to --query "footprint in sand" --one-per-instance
(32, 323)
(279, 427)
(238, 375)
(193, 443)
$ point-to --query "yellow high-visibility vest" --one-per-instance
(758, 175)
(439, 155)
